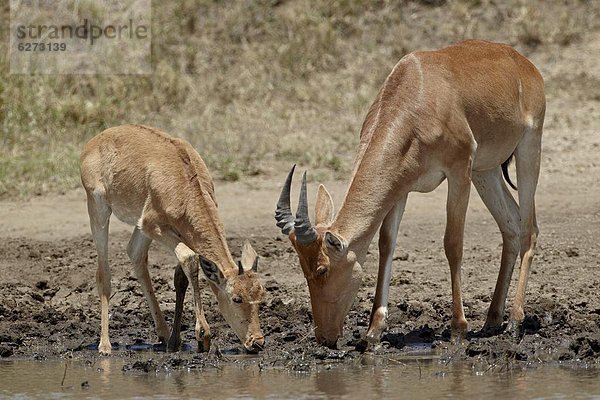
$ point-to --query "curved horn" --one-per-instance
(241, 268)
(283, 213)
(305, 233)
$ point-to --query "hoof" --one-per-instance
(457, 340)
(493, 322)
(370, 341)
(515, 329)
(204, 345)
(362, 346)
(458, 336)
(174, 344)
(458, 331)
(255, 346)
(105, 349)
(488, 331)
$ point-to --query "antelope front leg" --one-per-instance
(456, 208)
(181, 284)
(188, 260)
(388, 235)
(190, 266)
(103, 277)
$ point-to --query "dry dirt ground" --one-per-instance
(49, 306)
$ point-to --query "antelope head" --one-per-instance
(239, 294)
(331, 271)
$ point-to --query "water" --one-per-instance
(372, 377)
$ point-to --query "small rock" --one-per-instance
(37, 297)
(290, 337)
(140, 366)
(271, 285)
(401, 257)
(42, 285)
(572, 252)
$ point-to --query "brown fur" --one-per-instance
(160, 185)
(457, 113)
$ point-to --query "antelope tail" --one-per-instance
(505, 165)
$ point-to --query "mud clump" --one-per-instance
(585, 348)
(5, 351)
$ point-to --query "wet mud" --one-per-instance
(49, 307)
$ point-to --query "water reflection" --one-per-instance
(104, 366)
(179, 383)
(457, 379)
(371, 377)
(332, 382)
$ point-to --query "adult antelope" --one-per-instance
(160, 185)
(458, 113)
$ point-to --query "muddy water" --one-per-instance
(372, 377)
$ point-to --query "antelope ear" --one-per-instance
(334, 242)
(212, 272)
(323, 207)
(249, 257)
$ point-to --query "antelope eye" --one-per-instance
(237, 299)
(321, 270)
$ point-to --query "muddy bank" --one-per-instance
(49, 307)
